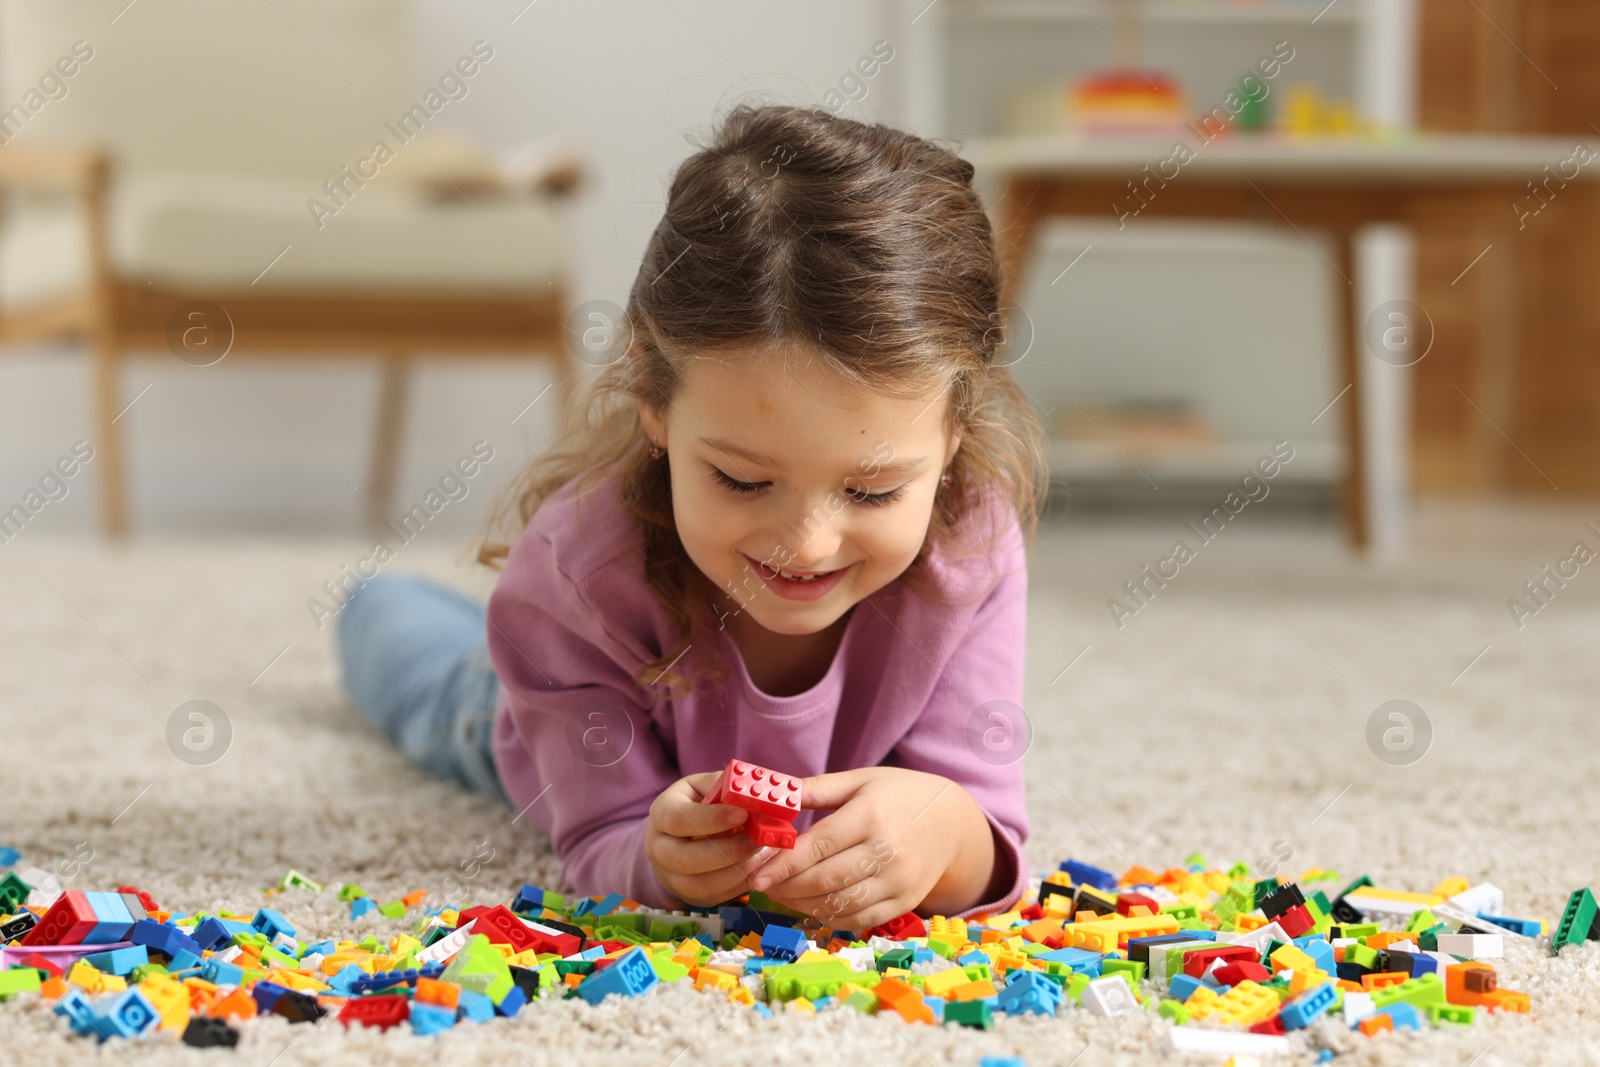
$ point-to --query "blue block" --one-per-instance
(474, 1006)
(115, 922)
(921, 954)
(120, 960)
(430, 1018)
(1002, 1061)
(269, 922)
(342, 982)
(1076, 958)
(9, 856)
(977, 957)
(1300, 1011)
(266, 994)
(755, 964)
(609, 903)
(1030, 993)
(513, 1002)
(128, 1014)
(1404, 1016)
(762, 1010)
(327, 948)
(211, 935)
(220, 972)
(528, 898)
(1525, 927)
(1084, 874)
(74, 1004)
(1421, 965)
(937, 1006)
(629, 976)
(783, 942)
(163, 938)
(1183, 986)
(1321, 950)
(361, 906)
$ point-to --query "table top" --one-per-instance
(1395, 159)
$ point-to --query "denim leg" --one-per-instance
(416, 664)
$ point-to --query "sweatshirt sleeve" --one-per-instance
(971, 731)
(575, 741)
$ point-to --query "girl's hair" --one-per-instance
(796, 230)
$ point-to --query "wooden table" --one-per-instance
(1336, 185)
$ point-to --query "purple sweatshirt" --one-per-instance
(585, 749)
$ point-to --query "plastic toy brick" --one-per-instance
(18, 980)
(756, 789)
(1577, 920)
(973, 1013)
(630, 975)
(783, 942)
(769, 832)
(204, 1032)
(903, 999)
(1299, 1012)
(68, 921)
(1087, 874)
(900, 927)
(381, 1011)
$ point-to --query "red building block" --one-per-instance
(68, 922)
(901, 927)
(501, 927)
(1296, 921)
(1126, 902)
(1273, 1025)
(769, 832)
(1243, 971)
(1195, 963)
(756, 789)
(382, 1012)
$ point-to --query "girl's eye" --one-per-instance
(733, 484)
(876, 500)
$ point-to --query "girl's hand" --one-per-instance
(899, 840)
(699, 851)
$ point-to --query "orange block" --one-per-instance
(1245, 923)
(972, 990)
(1042, 929)
(1373, 1025)
(434, 991)
(236, 1005)
(1382, 978)
(415, 897)
(52, 988)
(1348, 986)
(1137, 875)
(1386, 938)
(904, 1000)
(1506, 1000)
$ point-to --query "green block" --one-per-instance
(13, 891)
(350, 891)
(1577, 919)
(816, 980)
(1132, 969)
(370, 943)
(1361, 955)
(295, 880)
(394, 909)
(1420, 921)
(1194, 859)
(18, 980)
(730, 940)
(1359, 883)
(1461, 1014)
(866, 1003)
(977, 972)
(621, 933)
(279, 959)
(974, 1013)
(942, 948)
(480, 967)
(1428, 940)
(1239, 870)
(143, 971)
(1317, 905)
(549, 977)
(566, 967)
(1181, 912)
(251, 938)
(1418, 992)
(1075, 987)
(1360, 931)
(895, 957)
(666, 970)
(1174, 1010)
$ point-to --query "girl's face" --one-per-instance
(795, 469)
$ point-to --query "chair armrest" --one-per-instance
(41, 166)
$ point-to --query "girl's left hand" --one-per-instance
(898, 840)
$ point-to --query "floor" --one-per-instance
(1229, 715)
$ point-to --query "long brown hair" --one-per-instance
(793, 228)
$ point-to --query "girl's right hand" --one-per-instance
(699, 851)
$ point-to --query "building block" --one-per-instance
(202, 1032)
(783, 942)
(68, 921)
(1577, 921)
(756, 789)
(629, 976)
(380, 1011)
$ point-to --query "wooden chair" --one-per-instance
(182, 156)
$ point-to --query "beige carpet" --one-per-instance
(1224, 718)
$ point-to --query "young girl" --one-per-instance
(787, 524)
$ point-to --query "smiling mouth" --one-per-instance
(779, 572)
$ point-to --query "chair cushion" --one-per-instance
(211, 232)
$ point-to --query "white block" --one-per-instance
(1485, 898)
(1109, 997)
(1357, 1006)
(1225, 1042)
(447, 945)
(1376, 905)
(859, 959)
(1473, 946)
(1256, 939)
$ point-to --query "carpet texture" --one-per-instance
(1229, 716)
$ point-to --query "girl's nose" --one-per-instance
(812, 534)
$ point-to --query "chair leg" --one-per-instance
(113, 489)
(394, 382)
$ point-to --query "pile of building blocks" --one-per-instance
(1251, 961)
(770, 800)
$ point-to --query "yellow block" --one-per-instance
(85, 975)
(1307, 978)
(1290, 956)
(801, 1006)
(716, 979)
(1426, 899)
(815, 955)
(1451, 886)
(942, 983)
(1202, 1002)
(1246, 1004)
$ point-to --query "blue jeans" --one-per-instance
(416, 664)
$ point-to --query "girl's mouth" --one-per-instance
(797, 586)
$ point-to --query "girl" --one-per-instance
(787, 524)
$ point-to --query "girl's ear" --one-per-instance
(654, 427)
(955, 446)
